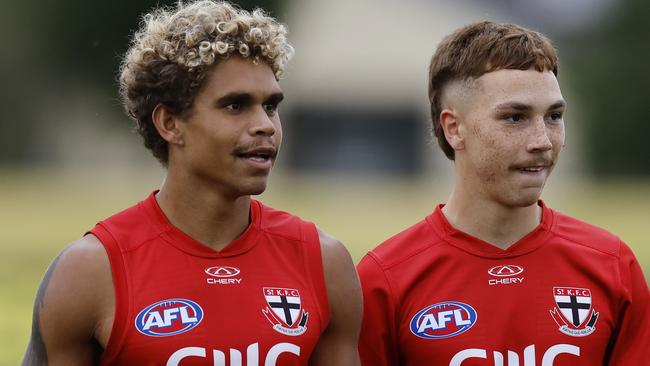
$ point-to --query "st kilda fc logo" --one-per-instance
(284, 311)
(573, 312)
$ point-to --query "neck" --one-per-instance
(202, 212)
(490, 221)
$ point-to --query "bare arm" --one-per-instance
(338, 344)
(69, 325)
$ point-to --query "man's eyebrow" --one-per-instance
(275, 98)
(558, 105)
(514, 105)
(246, 98)
(526, 107)
(234, 97)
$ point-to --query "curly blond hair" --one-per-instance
(171, 54)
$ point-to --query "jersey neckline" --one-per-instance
(187, 244)
(473, 245)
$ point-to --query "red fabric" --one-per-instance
(433, 263)
(152, 261)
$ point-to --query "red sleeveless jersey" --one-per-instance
(567, 294)
(260, 301)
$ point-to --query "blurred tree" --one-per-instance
(90, 37)
(49, 45)
(611, 71)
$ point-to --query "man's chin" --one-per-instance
(253, 189)
(526, 199)
(520, 198)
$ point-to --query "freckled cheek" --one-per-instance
(490, 176)
(489, 162)
(557, 140)
(489, 149)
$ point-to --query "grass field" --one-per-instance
(40, 213)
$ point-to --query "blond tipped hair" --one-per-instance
(172, 52)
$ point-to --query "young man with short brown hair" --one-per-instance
(495, 277)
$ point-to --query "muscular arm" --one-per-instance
(69, 325)
(338, 344)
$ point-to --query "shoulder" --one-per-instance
(341, 280)
(86, 248)
(128, 217)
(80, 276)
(339, 340)
(587, 235)
(280, 223)
(335, 254)
(132, 226)
(72, 302)
(405, 245)
(338, 267)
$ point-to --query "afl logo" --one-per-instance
(443, 320)
(169, 317)
(506, 270)
(222, 271)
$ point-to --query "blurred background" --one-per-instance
(358, 157)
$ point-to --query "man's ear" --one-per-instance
(167, 124)
(451, 125)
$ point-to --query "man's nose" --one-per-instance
(539, 140)
(262, 124)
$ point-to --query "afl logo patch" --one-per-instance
(443, 320)
(169, 317)
(222, 271)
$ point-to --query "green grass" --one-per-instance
(40, 213)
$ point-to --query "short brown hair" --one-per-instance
(174, 49)
(477, 49)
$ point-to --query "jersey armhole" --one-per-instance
(314, 264)
(118, 270)
(393, 298)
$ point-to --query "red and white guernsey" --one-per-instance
(260, 301)
(567, 294)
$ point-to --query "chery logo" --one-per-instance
(506, 270)
(222, 271)
(506, 275)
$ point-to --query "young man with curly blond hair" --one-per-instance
(494, 277)
(199, 273)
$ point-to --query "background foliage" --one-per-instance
(610, 68)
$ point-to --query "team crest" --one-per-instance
(573, 312)
(284, 311)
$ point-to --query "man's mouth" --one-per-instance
(535, 169)
(261, 154)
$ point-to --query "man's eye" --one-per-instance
(514, 117)
(556, 116)
(234, 106)
(270, 107)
